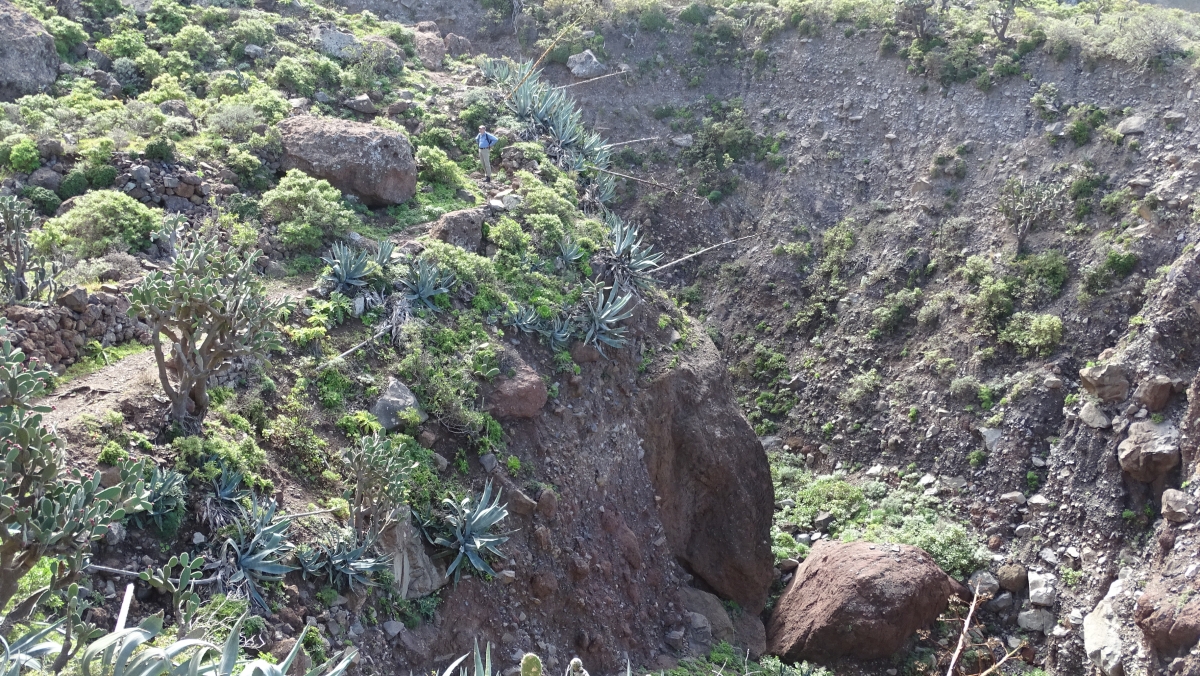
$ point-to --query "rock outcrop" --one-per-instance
(858, 600)
(1107, 381)
(373, 163)
(1102, 638)
(520, 396)
(1150, 451)
(463, 228)
(699, 452)
(28, 60)
(1170, 624)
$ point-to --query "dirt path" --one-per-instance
(110, 388)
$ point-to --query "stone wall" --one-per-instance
(57, 334)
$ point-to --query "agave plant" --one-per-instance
(383, 257)
(603, 313)
(525, 320)
(28, 651)
(312, 560)
(256, 554)
(424, 282)
(168, 492)
(350, 564)
(472, 525)
(223, 506)
(629, 261)
(559, 333)
(348, 268)
(132, 652)
(569, 249)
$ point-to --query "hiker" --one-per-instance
(486, 141)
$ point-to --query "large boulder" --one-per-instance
(1150, 451)
(1170, 625)
(1154, 392)
(416, 574)
(1176, 506)
(1107, 381)
(28, 60)
(701, 454)
(373, 163)
(1102, 638)
(336, 42)
(431, 48)
(462, 228)
(708, 605)
(857, 600)
(396, 405)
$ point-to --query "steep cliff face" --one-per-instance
(648, 479)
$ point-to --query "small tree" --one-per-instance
(211, 308)
(17, 257)
(46, 509)
(1025, 205)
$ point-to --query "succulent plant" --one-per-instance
(27, 651)
(425, 282)
(312, 560)
(629, 261)
(133, 652)
(472, 525)
(381, 472)
(603, 313)
(531, 665)
(168, 493)
(223, 506)
(18, 259)
(349, 562)
(559, 333)
(383, 257)
(49, 509)
(348, 268)
(256, 554)
(525, 320)
(184, 599)
(569, 249)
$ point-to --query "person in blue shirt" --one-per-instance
(486, 141)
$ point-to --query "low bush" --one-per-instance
(24, 156)
(1033, 334)
(307, 210)
(45, 201)
(74, 183)
(437, 167)
(101, 220)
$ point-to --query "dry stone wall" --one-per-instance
(57, 334)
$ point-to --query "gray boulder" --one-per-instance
(1176, 506)
(1107, 381)
(361, 104)
(335, 42)
(374, 164)
(1150, 451)
(463, 228)
(431, 49)
(710, 607)
(586, 65)
(1132, 125)
(396, 400)
(1102, 638)
(46, 178)
(28, 60)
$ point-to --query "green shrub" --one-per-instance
(1114, 202)
(1033, 334)
(161, 148)
(66, 33)
(248, 31)
(100, 220)
(294, 76)
(437, 167)
(1004, 66)
(195, 41)
(112, 454)
(653, 19)
(696, 13)
(74, 183)
(307, 210)
(45, 201)
(101, 176)
(168, 15)
(24, 156)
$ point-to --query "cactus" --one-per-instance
(211, 308)
(17, 257)
(184, 599)
(531, 665)
(49, 510)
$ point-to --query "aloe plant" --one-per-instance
(256, 555)
(603, 314)
(569, 249)
(559, 333)
(312, 560)
(350, 563)
(629, 261)
(472, 535)
(47, 509)
(425, 282)
(348, 268)
(28, 651)
(383, 257)
(167, 493)
(525, 320)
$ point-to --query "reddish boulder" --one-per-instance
(521, 396)
(373, 163)
(1169, 626)
(711, 473)
(857, 600)
(463, 228)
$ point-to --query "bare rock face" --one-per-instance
(28, 60)
(1107, 381)
(463, 228)
(699, 452)
(374, 164)
(431, 49)
(1168, 625)
(857, 600)
(1150, 451)
(521, 396)
(457, 45)
(1154, 392)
